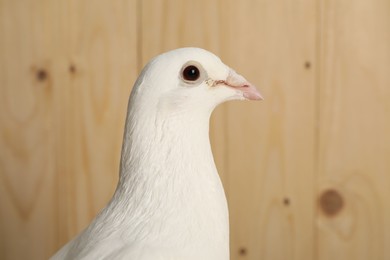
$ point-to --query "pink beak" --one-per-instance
(238, 82)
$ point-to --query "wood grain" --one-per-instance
(354, 129)
(28, 129)
(102, 51)
(66, 73)
(271, 154)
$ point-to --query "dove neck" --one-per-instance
(160, 148)
(168, 173)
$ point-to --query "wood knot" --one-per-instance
(331, 202)
(307, 65)
(72, 69)
(286, 201)
(242, 251)
(41, 75)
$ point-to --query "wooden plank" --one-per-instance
(27, 129)
(264, 151)
(354, 130)
(102, 55)
(65, 79)
(271, 148)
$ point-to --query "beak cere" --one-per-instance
(236, 81)
(239, 83)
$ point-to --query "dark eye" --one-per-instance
(191, 73)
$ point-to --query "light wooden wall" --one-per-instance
(307, 171)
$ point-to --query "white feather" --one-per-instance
(169, 202)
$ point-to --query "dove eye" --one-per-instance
(191, 73)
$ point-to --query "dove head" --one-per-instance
(189, 80)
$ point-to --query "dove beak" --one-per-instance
(248, 90)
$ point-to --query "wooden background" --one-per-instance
(307, 171)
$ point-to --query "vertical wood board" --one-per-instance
(66, 73)
(354, 130)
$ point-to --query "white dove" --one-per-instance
(169, 202)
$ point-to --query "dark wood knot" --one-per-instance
(242, 251)
(72, 69)
(331, 202)
(41, 75)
